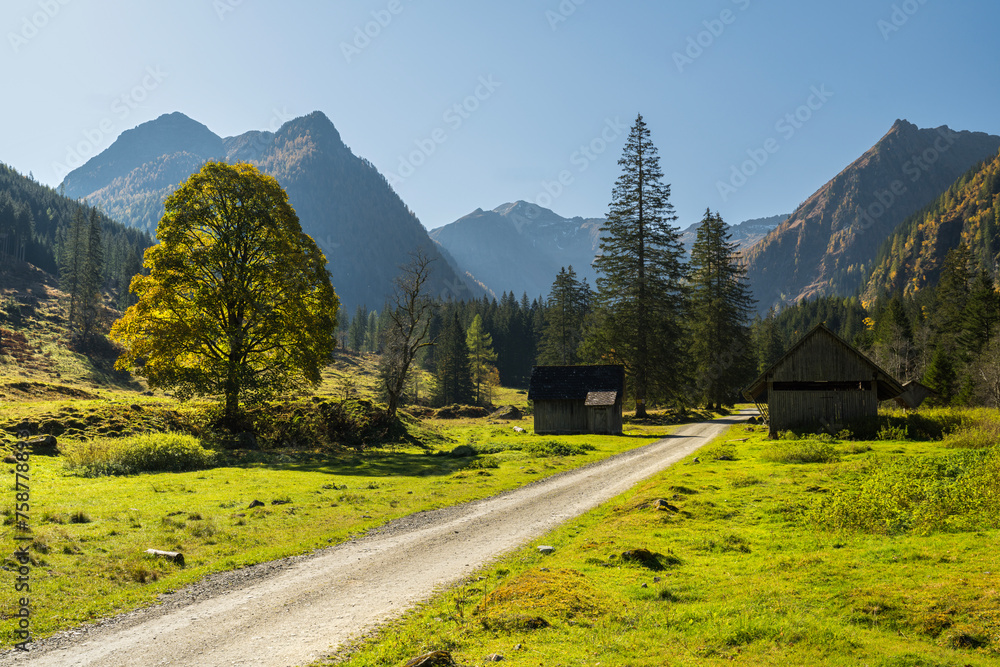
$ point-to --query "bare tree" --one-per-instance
(409, 327)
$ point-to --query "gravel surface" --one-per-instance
(296, 610)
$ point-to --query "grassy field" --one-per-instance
(813, 551)
(91, 532)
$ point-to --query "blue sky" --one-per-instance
(468, 104)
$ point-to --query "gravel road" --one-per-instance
(296, 610)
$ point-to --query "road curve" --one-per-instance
(297, 613)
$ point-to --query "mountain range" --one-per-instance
(828, 245)
(343, 202)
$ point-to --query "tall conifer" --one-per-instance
(640, 277)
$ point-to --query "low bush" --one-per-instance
(155, 452)
(802, 451)
(953, 492)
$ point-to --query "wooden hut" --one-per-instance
(821, 383)
(577, 399)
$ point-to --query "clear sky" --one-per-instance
(472, 104)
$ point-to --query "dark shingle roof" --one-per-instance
(573, 383)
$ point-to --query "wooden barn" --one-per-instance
(821, 383)
(577, 399)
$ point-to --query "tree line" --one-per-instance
(681, 329)
(946, 336)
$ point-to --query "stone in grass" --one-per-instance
(494, 657)
(663, 505)
(509, 412)
(173, 556)
(546, 549)
(255, 503)
(432, 659)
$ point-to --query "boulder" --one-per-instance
(44, 445)
(507, 412)
(255, 503)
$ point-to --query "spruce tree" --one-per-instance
(640, 289)
(565, 314)
(91, 300)
(454, 383)
(72, 259)
(482, 358)
(721, 305)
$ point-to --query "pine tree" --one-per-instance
(359, 327)
(91, 279)
(640, 290)
(72, 259)
(981, 317)
(482, 358)
(721, 305)
(768, 342)
(454, 383)
(565, 314)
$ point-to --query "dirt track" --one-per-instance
(294, 611)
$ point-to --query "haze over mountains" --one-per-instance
(343, 202)
(828, 245)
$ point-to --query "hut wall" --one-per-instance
(605, 420)
(554, 417)
(816, 409)
(822, 358)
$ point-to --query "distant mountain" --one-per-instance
(519, 247)
(969, 212)
(745, 234)
(828, 244)
(343, 202)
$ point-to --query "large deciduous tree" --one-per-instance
(640, 289)
(721, 306)
(237, 301)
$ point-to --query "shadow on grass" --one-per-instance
(374, 464)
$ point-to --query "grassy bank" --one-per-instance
(798, 551)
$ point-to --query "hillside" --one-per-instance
(969, 213)
(519, 247)
(343, 202)
(33, 222)
(831, 239)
